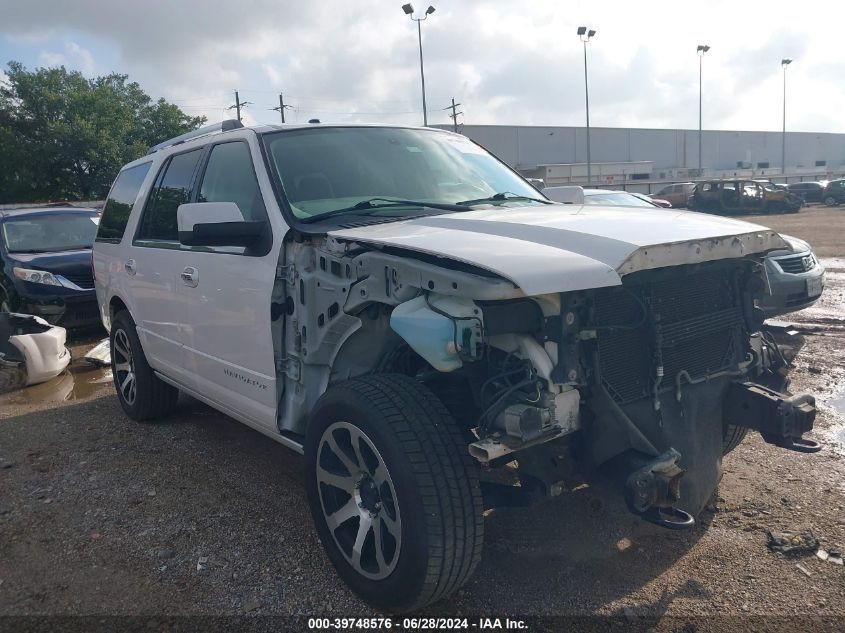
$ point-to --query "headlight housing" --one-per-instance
(36, 276)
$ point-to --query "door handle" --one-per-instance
(190, 276)
(129, 266)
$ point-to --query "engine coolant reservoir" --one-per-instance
(441, 330)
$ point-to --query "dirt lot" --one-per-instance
(201, 515)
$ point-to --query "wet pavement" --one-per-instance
(825, 321)
(80, 380)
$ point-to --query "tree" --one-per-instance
(64, 137)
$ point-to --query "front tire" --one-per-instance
(142, 394)
(732, 437)
(830, 201)
(393, 491)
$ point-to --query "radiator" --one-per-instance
(693, 321)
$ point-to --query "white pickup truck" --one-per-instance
(409, 313)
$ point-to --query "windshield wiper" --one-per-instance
(383, 203)
(503, 196)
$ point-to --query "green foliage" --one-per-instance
(64, 137)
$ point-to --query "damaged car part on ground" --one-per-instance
(414, 317)
(31, 351)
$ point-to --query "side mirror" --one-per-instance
(216, 224)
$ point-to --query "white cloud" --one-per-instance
(506, 61)
(83, 57)
(48, 59)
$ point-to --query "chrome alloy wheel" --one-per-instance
(123, 367)
(358, 500)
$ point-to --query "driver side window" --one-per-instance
(230, 177)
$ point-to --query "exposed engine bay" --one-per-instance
(650, 375)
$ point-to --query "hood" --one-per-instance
(559, 248)
(75, 265)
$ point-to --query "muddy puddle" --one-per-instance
(80, 380)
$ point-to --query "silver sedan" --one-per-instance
(796, 278)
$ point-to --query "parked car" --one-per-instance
(741, 196)
(676, 194)
(796, 278)
(409, 313)
(834, 193)
(809, 191)
(659, 202)
(772, 186)
(575, 194)
(45, 255)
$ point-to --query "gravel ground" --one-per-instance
(198, 514)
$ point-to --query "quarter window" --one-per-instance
(230, 177)
(173, 188)
(120, 202)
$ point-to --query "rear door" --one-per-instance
(228, 338)
(154, 265)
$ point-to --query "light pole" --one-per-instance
(409, 11)
(702, 48)
(784, 63)
(585, 36)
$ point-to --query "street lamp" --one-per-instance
(585, 36)
(409, 11)
(784, 63)
(702, 48)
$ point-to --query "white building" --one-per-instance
(673, 154)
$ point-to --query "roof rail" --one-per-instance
(223, 126)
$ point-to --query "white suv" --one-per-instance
(412, 315)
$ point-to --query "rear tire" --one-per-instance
(732, 437)
(387, 467)
(142, 394)
(830, 201)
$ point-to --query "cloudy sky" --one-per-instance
(505, 61)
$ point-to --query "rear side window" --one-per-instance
(173, 187)
(120, 202)
(230, 177)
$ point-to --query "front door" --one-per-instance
(228, 342)
(154, 265)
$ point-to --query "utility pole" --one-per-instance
(454, 115)
(281, 107)
(238, 104)
(784, 63)
(702, 48)
(409, 11)
(584, 35)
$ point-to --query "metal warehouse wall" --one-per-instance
(525, 147)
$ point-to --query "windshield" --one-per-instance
(618, 199)
(48, 233)
(330, 169)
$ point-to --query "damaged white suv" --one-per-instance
(409, 313)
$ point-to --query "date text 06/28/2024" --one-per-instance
(414, 624)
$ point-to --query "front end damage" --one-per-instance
(645, 376)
